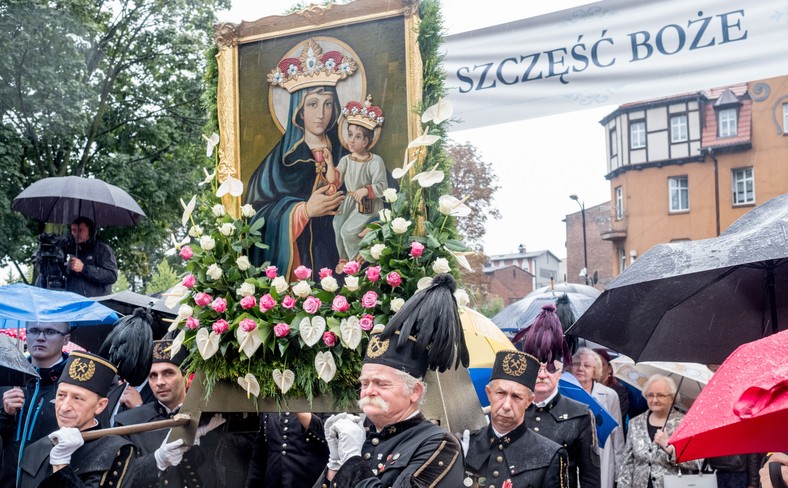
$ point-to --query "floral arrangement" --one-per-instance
(275, 338)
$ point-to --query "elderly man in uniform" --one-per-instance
(162, 463)
(402, 448)
(506, 453)
(560, 419)
(64, 459)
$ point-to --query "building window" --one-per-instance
(743, 186)
(637, 134)
(619, 203)
(785, 118)
(678, 193)
(613, 142)
(622, 259)
(678, 128)
(726, 122)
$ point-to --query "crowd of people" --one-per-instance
(536, 437)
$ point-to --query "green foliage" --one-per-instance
(122, 284)
(490, 306)
(163, 279)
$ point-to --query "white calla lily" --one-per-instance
(440, 112)
(424, 140)
(400, 172)
(188, 208)
(207, 343)
(284, 379)
(350, 332)
(208, 177)
(249, 341)
(312, 331)
(325, 365)
(231, 185)
(428, 178)
(448, 205)
(211, 142)
(174, 295)
(176, 246)
(461, 259)
(249, 384)
(177, 343)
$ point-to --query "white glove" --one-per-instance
(169, 454)
(351, 437)
(67, 440)
(215, 422)
(465, 440)
(332, 437)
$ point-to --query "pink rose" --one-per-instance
(267, 302)
(248, 325)
(270, 272)
(219, 305)
(416, 249)
(366, 322)
(192, 323)
(248, 302)
(340, 304)
(369, 300)
(288, 302)
(329, 338)
(324, 272)
(373, 273)
(311, 305)
(220, 326)
(202, 299)
(186, 253)
(281, 329)
(394, 279)
(302, 272)
(351, 267)
(189, 280)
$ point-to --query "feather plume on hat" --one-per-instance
(563, 309)
(130, 346)
(545, 338)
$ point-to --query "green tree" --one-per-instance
(122, 283)
(163, 279)
(108, 90)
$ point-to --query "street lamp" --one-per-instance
(585, 243)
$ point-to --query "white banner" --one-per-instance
(612, 52)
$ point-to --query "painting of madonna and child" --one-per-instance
(323, 120)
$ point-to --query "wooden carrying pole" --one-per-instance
(176, 421)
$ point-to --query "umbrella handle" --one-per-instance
(776, 474)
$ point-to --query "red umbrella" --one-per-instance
(744, 408)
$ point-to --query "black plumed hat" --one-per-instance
(130, 346)
(425, 333)
(89, 371)
(545, 338)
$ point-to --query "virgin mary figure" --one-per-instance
(288, 189)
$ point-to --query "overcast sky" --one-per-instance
(539, 162)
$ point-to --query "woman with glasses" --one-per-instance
(647, 455)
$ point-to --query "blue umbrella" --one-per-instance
(25, 303)
(567, 386)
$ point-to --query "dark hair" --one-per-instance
(368, 133)
(298, 117)
(89, 223)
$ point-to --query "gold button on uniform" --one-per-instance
(499, 459)
(536, 429)
(495, 474)
(375, 441)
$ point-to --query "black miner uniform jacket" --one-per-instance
(523, 457)
(105, 462)
(570, 424)
(196, 470)
(414, 452)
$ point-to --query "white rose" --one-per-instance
(423, 283)
(400, 225)
(385, 215)
(390, 195)
(397, 304)
(280, 284)
(243, 263)
(185, 311)
(226, 229)
(247, 211)
(462, 297)
(329, 283)
(214, 272)
(351, 282)
(246, 290)
(441, 265)
(218, 210)
(302, 289)
(195, 231)
(376, 250)
(207, 243)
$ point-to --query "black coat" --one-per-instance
(570, 424)
(525, 458)
(100, 270)
(285, 455)
(107, 458)
(414, 452)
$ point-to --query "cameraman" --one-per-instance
(92, 269)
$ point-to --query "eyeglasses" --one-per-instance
(661, 396)
(48, 333)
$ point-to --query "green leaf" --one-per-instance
(261, 245)
(257, 225)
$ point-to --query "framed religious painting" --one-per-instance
(315, 110)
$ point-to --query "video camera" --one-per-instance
(51, 260)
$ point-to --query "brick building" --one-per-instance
(599, 250)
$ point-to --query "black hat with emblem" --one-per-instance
(90, 371)
(425, 333)
(516, 366)
(162, 353)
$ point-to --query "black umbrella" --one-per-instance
(61, 200)
(15, 370)
(697, 301)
